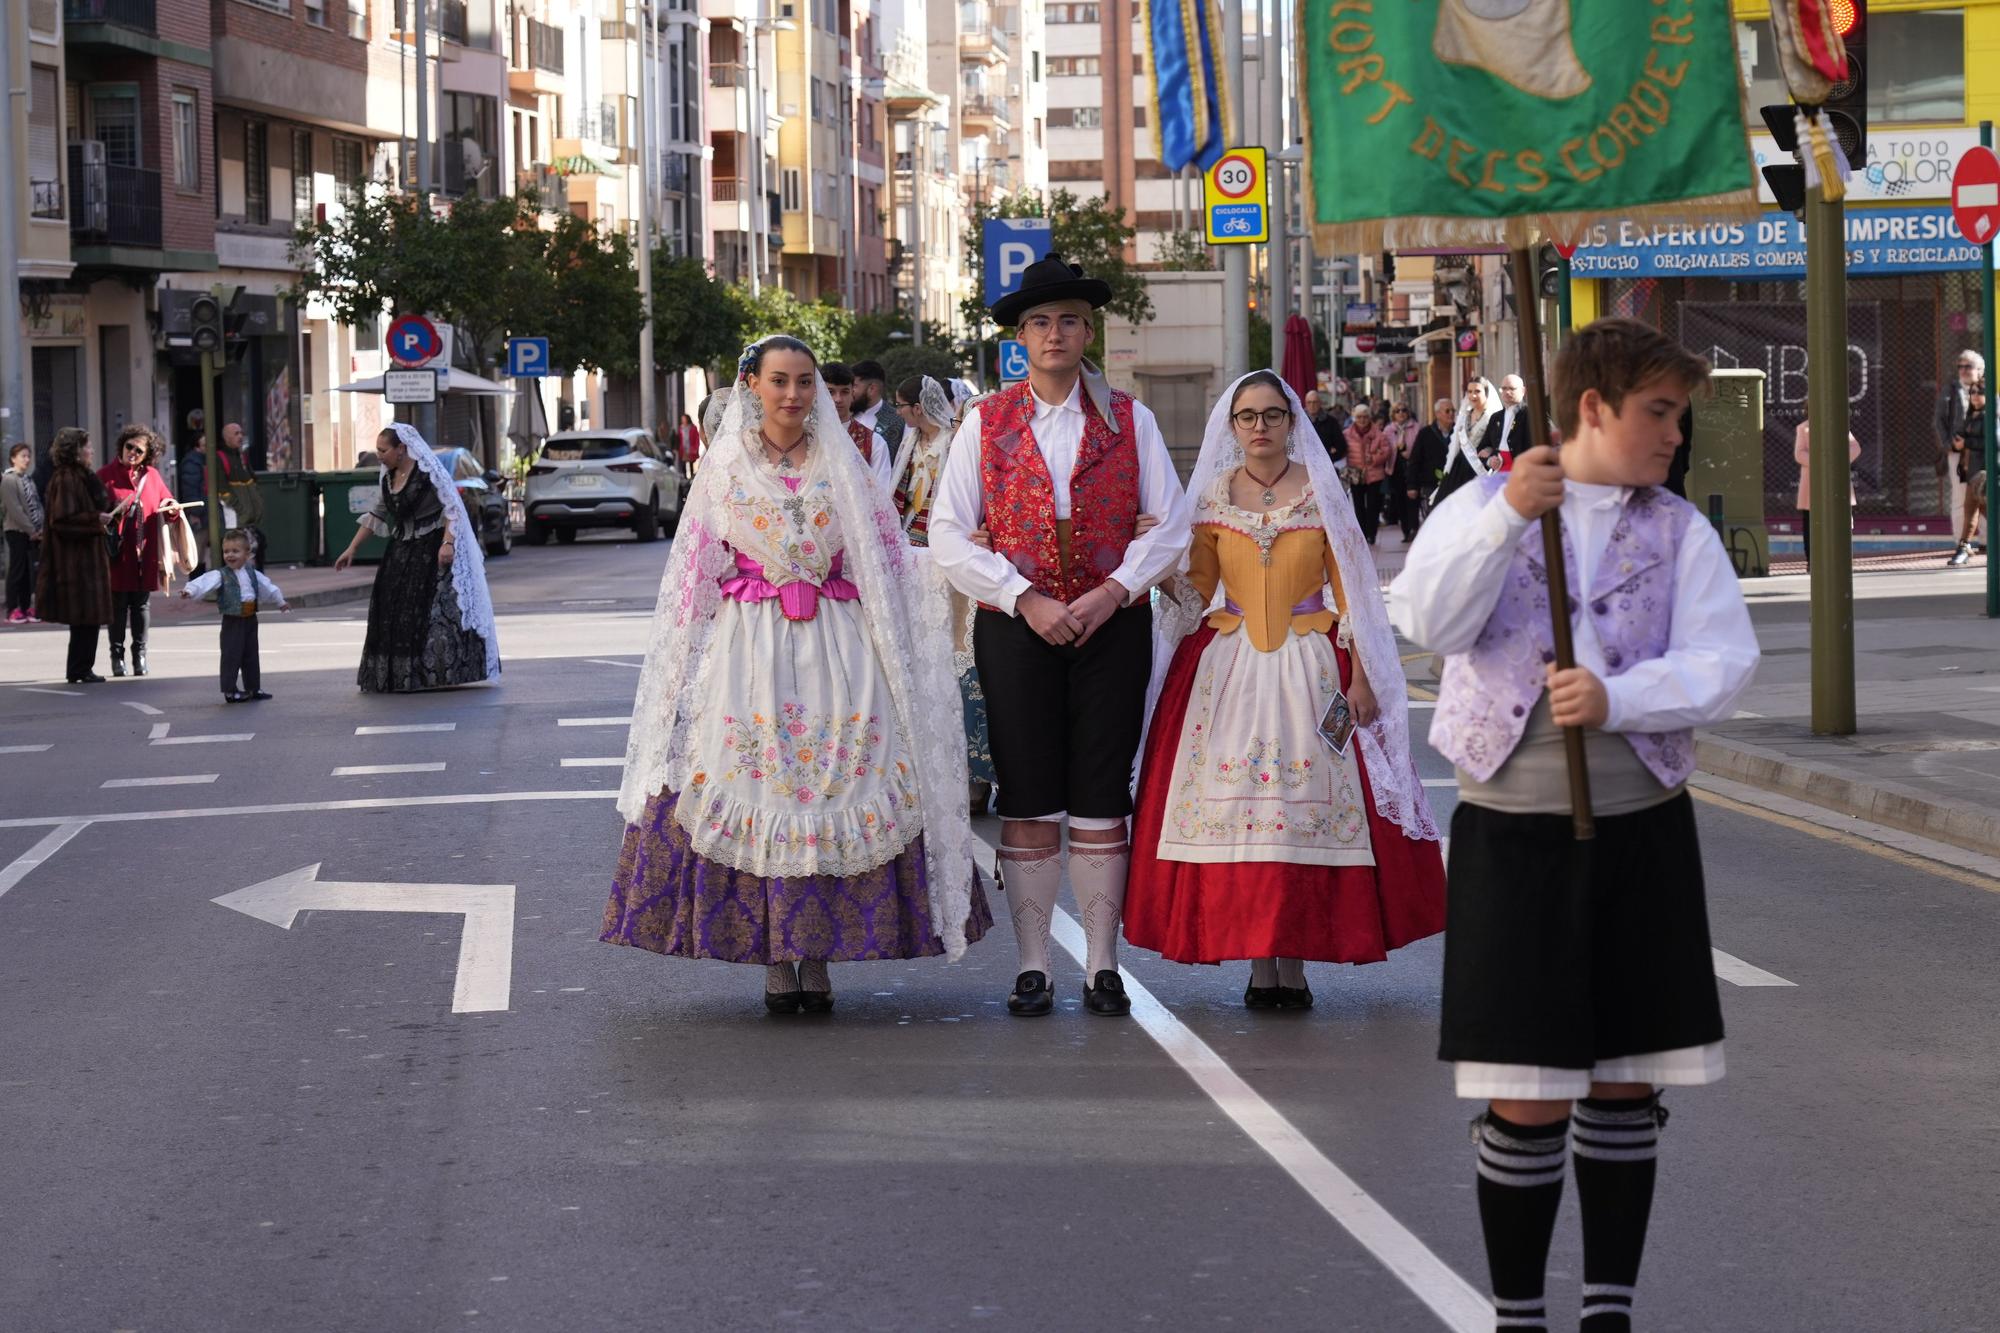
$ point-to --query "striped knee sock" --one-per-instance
(1617, 1145)
(1520, 1187)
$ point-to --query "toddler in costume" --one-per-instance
(1577, 976)
(238, 591)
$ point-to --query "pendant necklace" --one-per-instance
(1270, 493)
(783, 461)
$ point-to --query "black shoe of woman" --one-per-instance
(816, 1001)
(1294, 997)
(1262, 997)
(786, 1002)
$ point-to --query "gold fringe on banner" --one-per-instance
(1441, 233)
(1191, 27)
(1224, 94)
(1152, 77)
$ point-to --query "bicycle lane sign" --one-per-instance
(1236, 198)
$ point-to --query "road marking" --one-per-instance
(590, 601)
(313, 807)
(147, 709)
(67, 694)
(220, 738)
(24, 749)
(1423, 703)
(160, 730)
(1440, 782)
(183, 780)
(406, 729)
(17, 869)
(617, 762)
(371, 770)
(485, 945)
(1737, 972)
(605, 661)
(625, 721)
(1806, 823)
(1450, 1297)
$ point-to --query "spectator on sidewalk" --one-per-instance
(142, 506)
(21, 517)
(1370, 451)
(240, 491)
(1401, 433)
(1961, 428)
(1428, 457)
(73, 586)
(1802, 455)
(1330, 426)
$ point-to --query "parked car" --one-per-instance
(484, 493)
(602, 479)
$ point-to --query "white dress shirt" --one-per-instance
(1456, 571)
(988, 576)
(259, 589)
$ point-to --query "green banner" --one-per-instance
(1440, 122)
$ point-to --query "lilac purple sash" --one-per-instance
(798, 600)
(1310, 606)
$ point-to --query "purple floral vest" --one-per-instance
(1486, 694)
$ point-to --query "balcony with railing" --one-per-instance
(538, 58)
(113, 205)
(985, 114)
(87, 22)
(453, 20)
(551, 187)
(977, 40)
(45, 199)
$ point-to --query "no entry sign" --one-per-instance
(1975, 195)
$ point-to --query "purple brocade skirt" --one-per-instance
(668, 898)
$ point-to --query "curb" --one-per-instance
(1886, 803)
(358, 592)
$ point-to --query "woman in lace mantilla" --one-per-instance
(1255, 835)
(794, 789)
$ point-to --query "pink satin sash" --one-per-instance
(798, 600)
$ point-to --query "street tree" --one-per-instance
(1089, 232)
(904, 360)
(594, 311)
(697, 320)
(1185, 252)
(821, 325)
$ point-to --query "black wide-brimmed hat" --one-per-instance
(1046, 280)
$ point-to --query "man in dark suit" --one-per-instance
(1507, 434)
(1427, 459)
(1329, 426)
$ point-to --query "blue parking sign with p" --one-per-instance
(1013, 360)
(527, 357)
(1010, 245)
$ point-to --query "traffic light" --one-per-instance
(1847, 102)
(1548, 271)
(205, 319)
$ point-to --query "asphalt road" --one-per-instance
(211, 1123)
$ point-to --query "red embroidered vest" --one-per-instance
(864, 439)
(1021, 501)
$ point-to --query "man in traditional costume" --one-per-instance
(868, 441)
(1058, 470)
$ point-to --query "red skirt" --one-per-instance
(1213, 913)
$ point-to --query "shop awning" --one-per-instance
(583, 164)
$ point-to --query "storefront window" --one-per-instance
(1916, 67)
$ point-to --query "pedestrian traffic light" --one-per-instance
(1548, 271)
(1847, 102)
(205, 319)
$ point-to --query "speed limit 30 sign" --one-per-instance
(1236, 196)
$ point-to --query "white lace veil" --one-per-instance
(936, 404)
(468, 554)
(1385, 743)
(907, 618)
(1466, 435)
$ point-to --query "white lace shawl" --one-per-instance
(1392, 769)
(907, 619)
(1466, 435)
(468, 554)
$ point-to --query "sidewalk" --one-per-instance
(303, 586)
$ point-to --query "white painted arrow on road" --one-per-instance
(485, 949)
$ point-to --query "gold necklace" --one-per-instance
(1270, 493)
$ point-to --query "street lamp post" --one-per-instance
(643, 145)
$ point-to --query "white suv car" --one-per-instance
(602, 479)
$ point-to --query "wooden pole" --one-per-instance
(1527, 304)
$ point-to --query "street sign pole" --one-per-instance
(1832, 547)
(1988, 451)
(1236, 259)
(211, 433)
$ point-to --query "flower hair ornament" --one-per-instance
(747, 360)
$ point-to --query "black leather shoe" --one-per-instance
(234, 698)
(1262, 997)
(1295, 997)
(784, 1002)
(1032, 997)
(1108, 996)
(87, 678)
(260, 694)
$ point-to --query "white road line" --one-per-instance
(605, 661)
(24, 749)
(1739, 973)
(17, 869)
(1450, 1297)
(370, 770)
(220, 738)
(67, 694)
(313, 807)
(406, 729)
(183, 780)
(147, 709)
(625, 721)
(1440, 782)
(1423, 703)
(615, 762)
(160, 730)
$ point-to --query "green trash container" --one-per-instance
(344, 498)
(291, 517)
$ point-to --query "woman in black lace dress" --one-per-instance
(430, 621)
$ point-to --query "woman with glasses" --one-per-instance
(1271, 825)
(141, 507)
